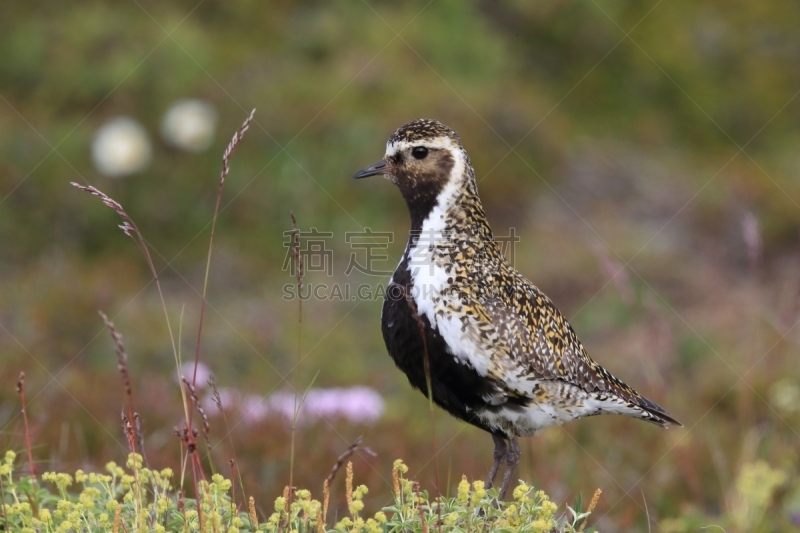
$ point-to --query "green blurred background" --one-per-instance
(657, 141)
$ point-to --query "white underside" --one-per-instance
(538, 416)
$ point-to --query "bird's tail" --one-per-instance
(656, 414)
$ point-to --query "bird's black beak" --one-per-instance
(373, 170)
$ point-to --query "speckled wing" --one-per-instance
(542, 344)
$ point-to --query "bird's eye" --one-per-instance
(419, 152)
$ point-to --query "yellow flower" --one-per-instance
(134, 461)
(408, 487)
(88, 497)
(450, 519)
(360, 492)
(219, 483)
(521, 493)
(463, 490)
(400, 466)
(64, 505)
(541, 526)
(373, 527)
(10, 456)
(757, 482)
(356, 506)
(548, 509)
(479, 493)
(280, 503)
(380, 516)
(344, 523)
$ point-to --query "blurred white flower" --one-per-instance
(121, 147)
(785, 395)
(189, 125)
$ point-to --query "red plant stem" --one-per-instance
(237, 137)
(225, 170)
(298, 262)
(21, 391)
(122, 365)
(232, 462)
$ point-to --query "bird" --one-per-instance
(466, 327)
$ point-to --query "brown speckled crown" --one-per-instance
(423, 128)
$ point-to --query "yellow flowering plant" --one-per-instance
(135, 498)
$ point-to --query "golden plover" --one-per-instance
(500, 355)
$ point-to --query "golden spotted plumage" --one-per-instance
(502, 356)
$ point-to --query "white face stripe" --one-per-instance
(442, 142)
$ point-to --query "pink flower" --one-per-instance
(359, 405)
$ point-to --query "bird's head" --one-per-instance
(422, 158)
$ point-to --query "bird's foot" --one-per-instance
(513, 455)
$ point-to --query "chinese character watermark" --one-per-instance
(371, 243)
(313, 251)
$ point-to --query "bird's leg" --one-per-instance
(512, 460)
(499, 455)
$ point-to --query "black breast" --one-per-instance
(456, 387)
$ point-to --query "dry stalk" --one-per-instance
(122, 359)
(117, 519)
(226, 156)
(592, 505)
(419, 503)
(28, 447)
(353, 448)
(131, 230)
(215, 393)
(326, 496)
(251, 507)
(131, 424)
(320, 522)
(349, 484)
(298, 262)
(232, 463)
(396, 482)
(198, 407)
